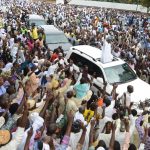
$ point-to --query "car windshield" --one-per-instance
(56, 38)
(120, 74)
(37, 22)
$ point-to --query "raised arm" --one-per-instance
(91, 133)
(127, 136)
(20, 108)
(49, 101)
(19, 132)
(104, 35)
(82, 138)
(24, 118)
(113, 92)
(112, 140)
(69, 126)
(30, 133)
(125, 99)
(103, 113)
(104, 90)
(53, 115)
(66, 138)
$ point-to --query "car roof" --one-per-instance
(49, 29)
(89, 50)
(35, 17)
(96, 54)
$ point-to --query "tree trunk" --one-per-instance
(147, 9)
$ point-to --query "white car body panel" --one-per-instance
(52, 30)
(141, 88)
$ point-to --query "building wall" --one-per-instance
(122, 6)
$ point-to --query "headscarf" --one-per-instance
(5, 136)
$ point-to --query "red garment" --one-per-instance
(54, 56)
(30, 45)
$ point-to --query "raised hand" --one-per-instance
(115, 85)
(113, 127)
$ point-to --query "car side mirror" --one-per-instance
(99, 79)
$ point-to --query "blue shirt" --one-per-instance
(2, 90)
(81, 90)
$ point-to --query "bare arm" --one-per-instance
(112, 140)
(20, 108)
(24, 118)
(104, 90)
(91, 133)
(104, 35)
(30, 133)
(69, 126)
(125, 98)
(103, 114)
(113, 92)
(53, 116)
(49, 100)
(127, 136)
(82, 138)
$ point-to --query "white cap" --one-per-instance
(100, 148)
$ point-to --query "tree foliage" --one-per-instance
(145, 3)
(121, 1)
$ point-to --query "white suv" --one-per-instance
(117, 71)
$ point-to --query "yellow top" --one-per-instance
(35, 33)
(88, 114)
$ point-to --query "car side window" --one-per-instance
(80, 61)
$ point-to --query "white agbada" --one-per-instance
(2, 33)
(14, 51)
(1, 43)
(52, 69)
(106, 52)
(79, 116)
(59, 2)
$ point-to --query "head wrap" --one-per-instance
(100, 148)
(4, 137)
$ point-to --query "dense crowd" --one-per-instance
(45, 104)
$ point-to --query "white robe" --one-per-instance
(106, 52)
(59, 2)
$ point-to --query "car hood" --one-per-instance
(65, 46)
(141, 90)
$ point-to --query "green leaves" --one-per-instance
(145, 3)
